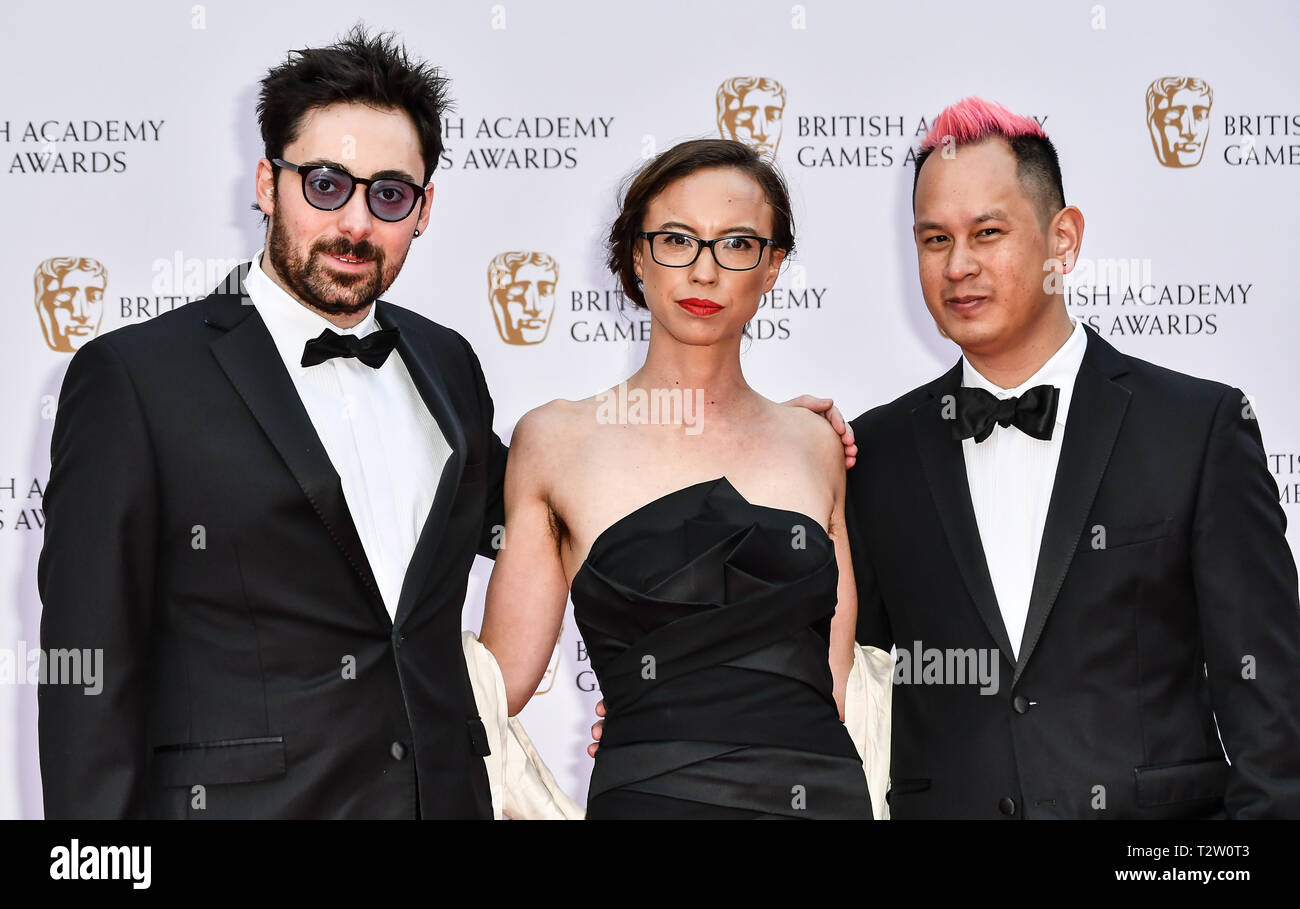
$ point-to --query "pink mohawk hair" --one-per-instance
(974, 119)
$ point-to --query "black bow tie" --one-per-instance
(372, 350)
(1033, 413)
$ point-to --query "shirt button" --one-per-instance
(1020, 704)
(1007, 806)
(397, 750)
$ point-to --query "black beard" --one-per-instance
(329, 292)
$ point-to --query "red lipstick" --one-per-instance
(697, 307)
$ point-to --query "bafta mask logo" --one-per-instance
(70, 301)
(521, 289)
(750, 110)
(548, 678)
(1178, 118)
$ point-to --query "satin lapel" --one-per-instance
(431, 384)
(945, 472)
(1092, 425)
(252, 363)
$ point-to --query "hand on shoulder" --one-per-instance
(822, 445)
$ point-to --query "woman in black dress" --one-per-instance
(697, 524)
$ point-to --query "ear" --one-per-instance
(264, 185)
(773, 268)
(427, 203)
(636, 259)
(1065, 234)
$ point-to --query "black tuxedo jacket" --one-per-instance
(1164, 600)
(197, 533)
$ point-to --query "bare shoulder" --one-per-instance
(812, 433)
(544, 434)
(560, 417)
(545, 423)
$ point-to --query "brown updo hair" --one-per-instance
(680, 161)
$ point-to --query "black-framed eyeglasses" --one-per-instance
(329, 189)
(734, 252)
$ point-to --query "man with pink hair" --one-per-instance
(1103, 532)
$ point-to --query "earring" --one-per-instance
(417, 231)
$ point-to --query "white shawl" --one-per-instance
(524, 788)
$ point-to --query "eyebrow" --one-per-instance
(993, 214)
(738, 229)
(380, 175)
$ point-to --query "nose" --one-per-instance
(961, 262)
(705, 269)
(355, 220)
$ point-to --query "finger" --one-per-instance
(591, 749)
(596, 731)
(600, 707)
(837, 420)
(810, 402)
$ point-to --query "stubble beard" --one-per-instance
(312, 280)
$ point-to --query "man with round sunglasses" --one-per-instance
(329, 186)
(263, 506)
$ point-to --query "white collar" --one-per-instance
(1061, 370)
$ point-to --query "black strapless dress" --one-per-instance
(707, 620)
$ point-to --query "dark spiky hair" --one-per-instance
(360, 68)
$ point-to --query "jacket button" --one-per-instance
(397, 750)
(1007, 806)
(1020, 704)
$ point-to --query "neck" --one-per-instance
(338, 320)
(1013, 364)
(713, 368)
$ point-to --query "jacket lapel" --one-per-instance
(431, 384)
(945, 472)
(1092, 425)
(250, 360)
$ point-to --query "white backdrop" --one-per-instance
(128, 136)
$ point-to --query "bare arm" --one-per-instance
(844, 624)
(826, 455)
(528, 590)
